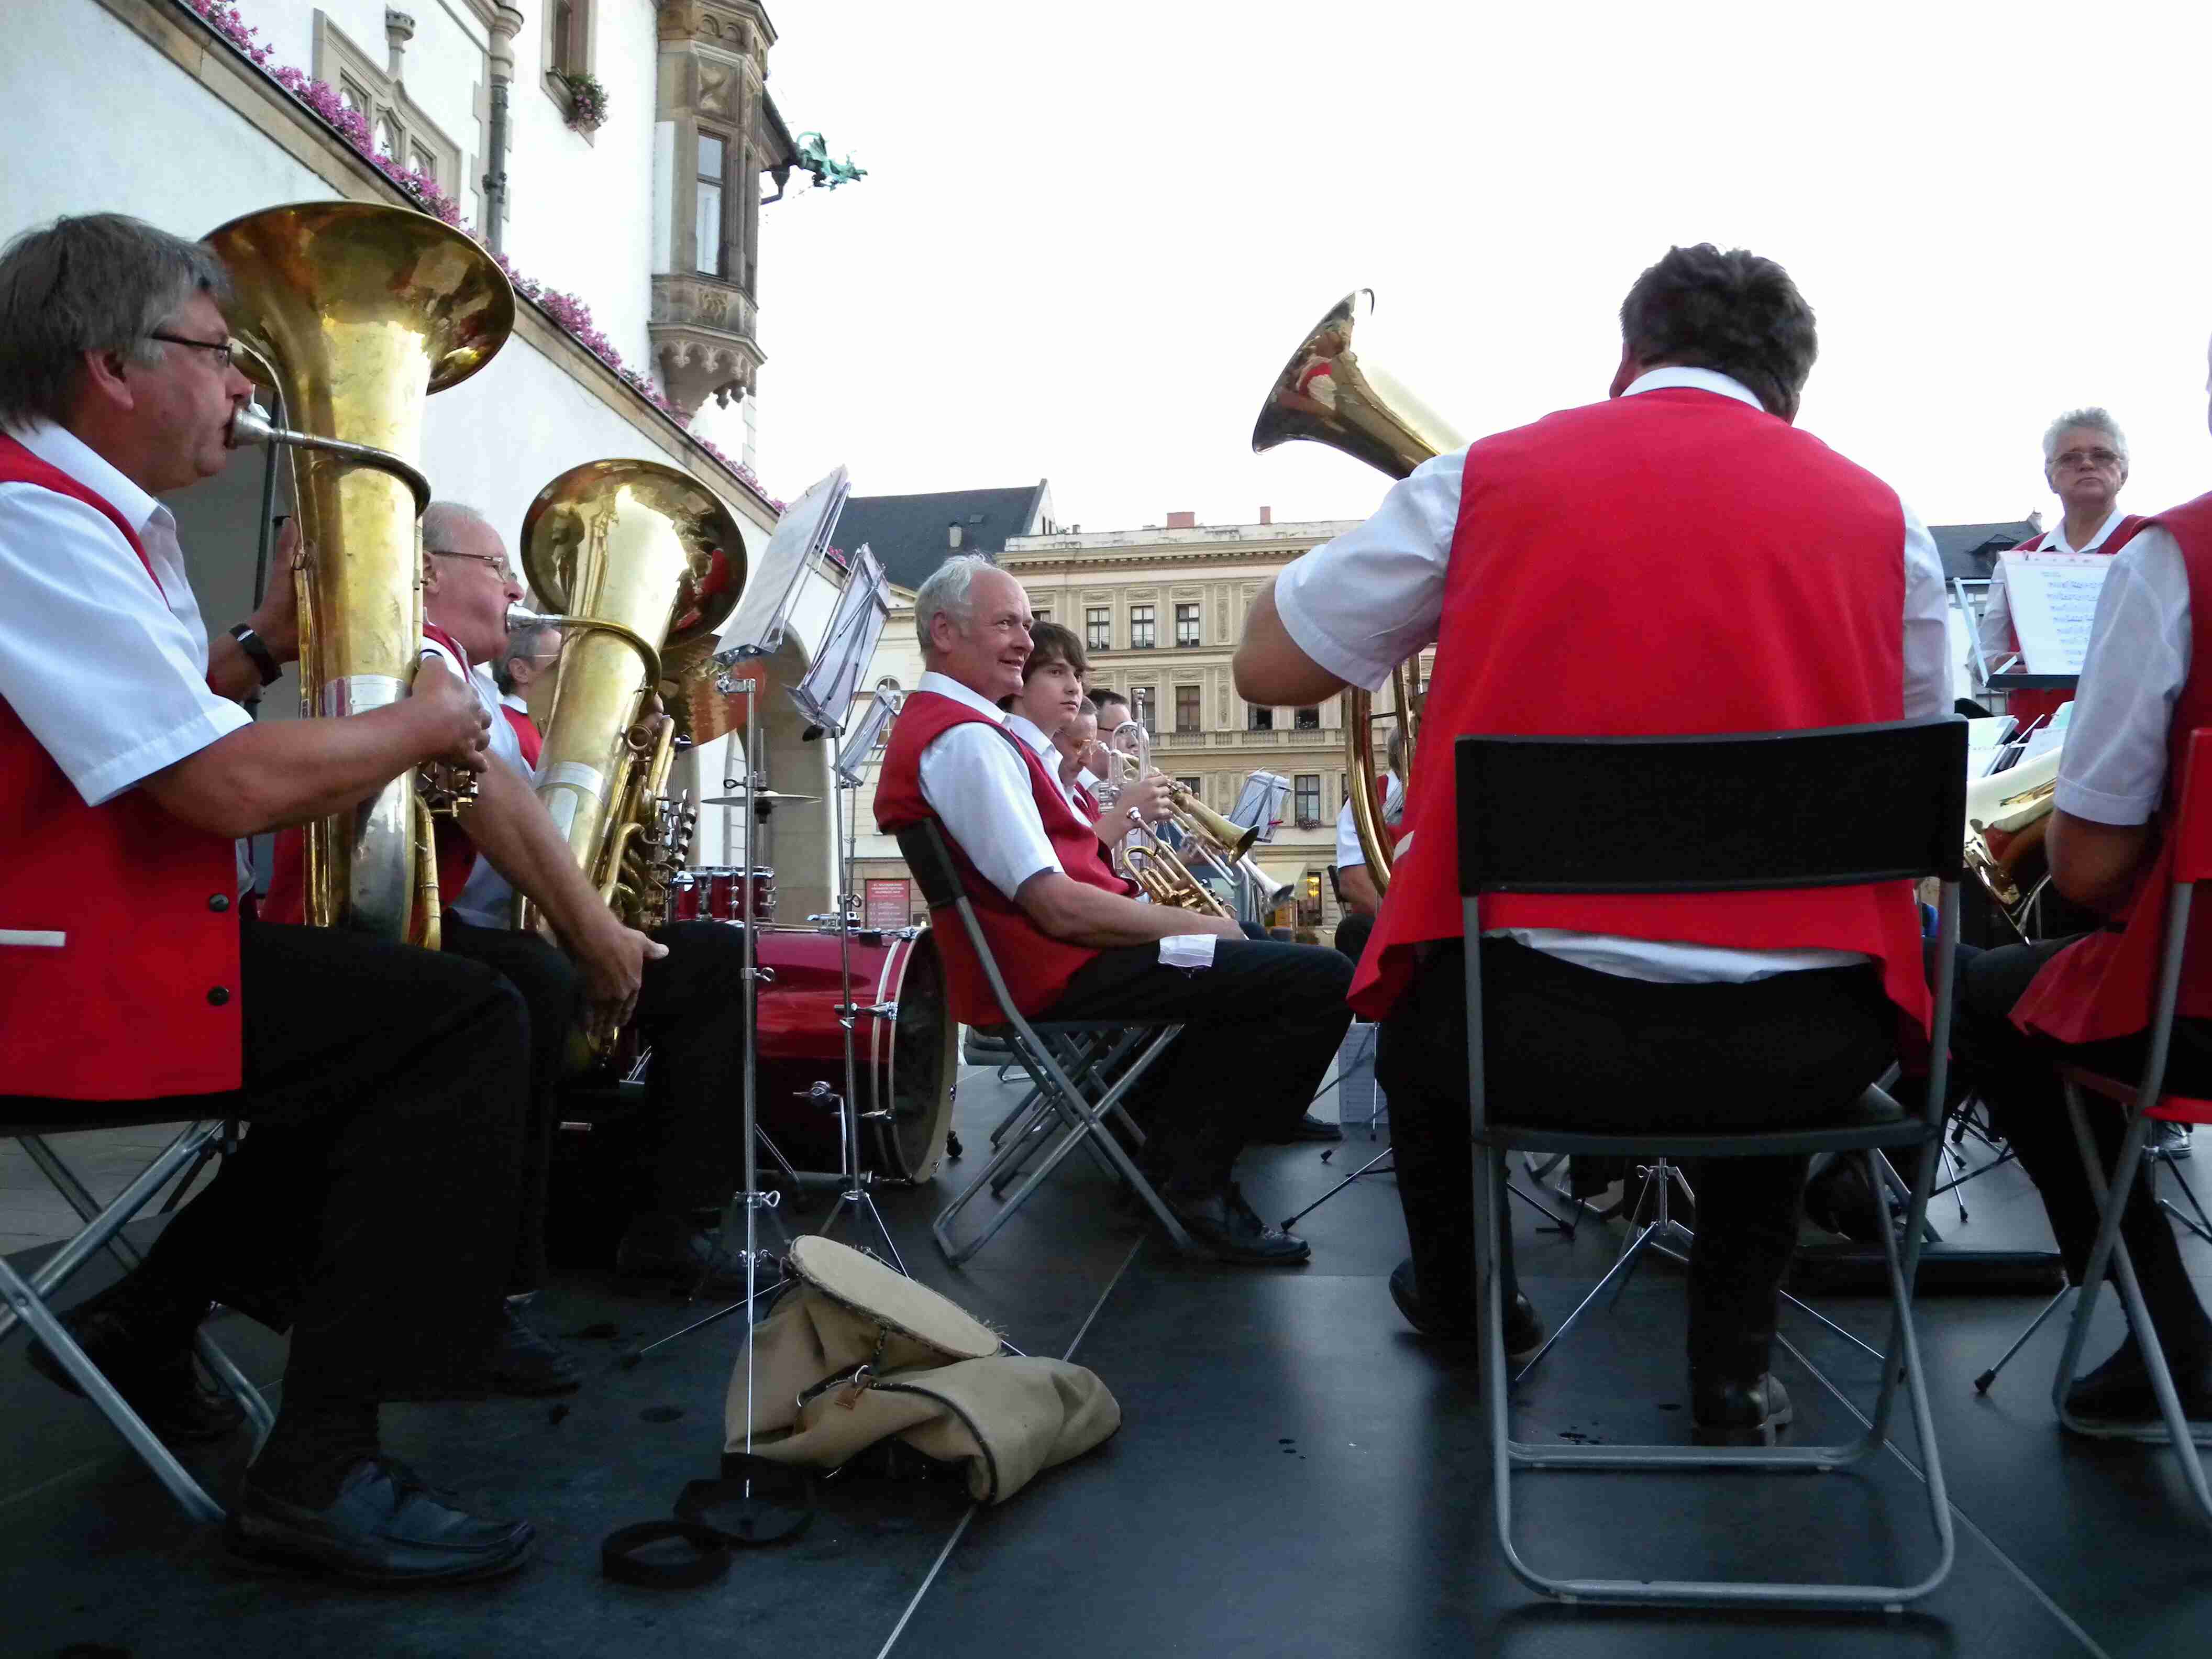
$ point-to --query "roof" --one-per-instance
(1970, 550)
(911, 534)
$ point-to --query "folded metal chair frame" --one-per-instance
(28, 1299)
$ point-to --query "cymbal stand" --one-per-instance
(751, 1198)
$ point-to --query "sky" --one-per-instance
(1090, 235)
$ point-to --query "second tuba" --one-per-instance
(633, 557)
(356, 313)
(1326, 395)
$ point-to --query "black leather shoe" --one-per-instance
(160, 1386)
(1725, 1411)
(654, 1248)
(385, 1527)
(2117, 1397)
(1222, 1223)
(525, 1363)
(1524, 1326)
(1309, 1127)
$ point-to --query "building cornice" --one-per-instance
(202, 52)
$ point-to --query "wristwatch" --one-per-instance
(255, 647)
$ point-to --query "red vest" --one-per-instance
(286, 900)
(1677, 562)
(2029, 706)
(525, 733)
(140, 999)
(2101, 986)
(1035, 966)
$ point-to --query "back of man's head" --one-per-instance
(1733, 313)
(100, 282)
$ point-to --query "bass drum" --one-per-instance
(903, 1048)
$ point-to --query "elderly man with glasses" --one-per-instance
(531, 651)
(2085, 460)
(134, 979)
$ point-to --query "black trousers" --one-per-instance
(1260, 1027)
(689, 1147)
(552, 990)
(2017, 1075)
(1570, 1046)
(370, 1209)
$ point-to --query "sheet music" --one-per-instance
(2054, 599)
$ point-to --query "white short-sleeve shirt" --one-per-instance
(1361, 604)
(1350, 854)
(108, 672)
(1034, 735)
(2113, 769)
(975, 780)
(486, 898)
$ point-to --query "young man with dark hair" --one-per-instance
(1692, 491)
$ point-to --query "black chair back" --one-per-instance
(922, 845)
(1831, 807)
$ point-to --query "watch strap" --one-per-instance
(256, 649)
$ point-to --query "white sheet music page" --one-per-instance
(2054, 599)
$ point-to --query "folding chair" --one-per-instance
(28, 1296)
(1713, 814)
(2193, 863)
(1048, 1051)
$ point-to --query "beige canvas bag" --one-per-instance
(859, 1354)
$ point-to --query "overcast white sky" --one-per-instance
(1090, 234)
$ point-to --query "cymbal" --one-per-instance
(741, 799)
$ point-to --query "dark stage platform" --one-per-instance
(1298, 1474)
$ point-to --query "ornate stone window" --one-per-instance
(402, 130)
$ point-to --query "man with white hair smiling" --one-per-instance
(1259, 1023)
(2085, 460)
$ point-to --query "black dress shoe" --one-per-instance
(157, 1381)
(1725, 1411)
(2116, 1398)
(385, 1527)
(1524, 1326)
(654, 1248)
(525, 1363)
(1309, 1127)
(1221, 1222)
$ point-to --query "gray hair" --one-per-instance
(524, 642)
(100, 282)
(2088, 420)
(442, 520)
(946, 593)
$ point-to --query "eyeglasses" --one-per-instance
(498, 564)
(2081, 458)
(222, 349)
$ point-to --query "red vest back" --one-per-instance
(2101, 986)
(2029, 706)
(286, 900)
(1677, 562)
(1035, 966)
(137, 998)
(525, 733)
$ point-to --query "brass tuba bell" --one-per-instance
(356, 313)
(1326, 395)
(636, 558)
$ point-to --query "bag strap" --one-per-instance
(622, 1555)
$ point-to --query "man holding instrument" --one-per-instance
(1719, 527)
(1260, 1020)
(131, 972)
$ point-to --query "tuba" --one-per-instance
(636, 558)
(355, 313)
(1326, 395)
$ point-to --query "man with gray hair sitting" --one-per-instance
(1261, 1019)
(531, 651)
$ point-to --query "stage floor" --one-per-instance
(1296, 1475)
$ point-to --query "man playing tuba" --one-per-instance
(129, 971)
(1689, 491)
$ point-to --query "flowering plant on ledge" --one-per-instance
(566, 311)
(587, 102)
